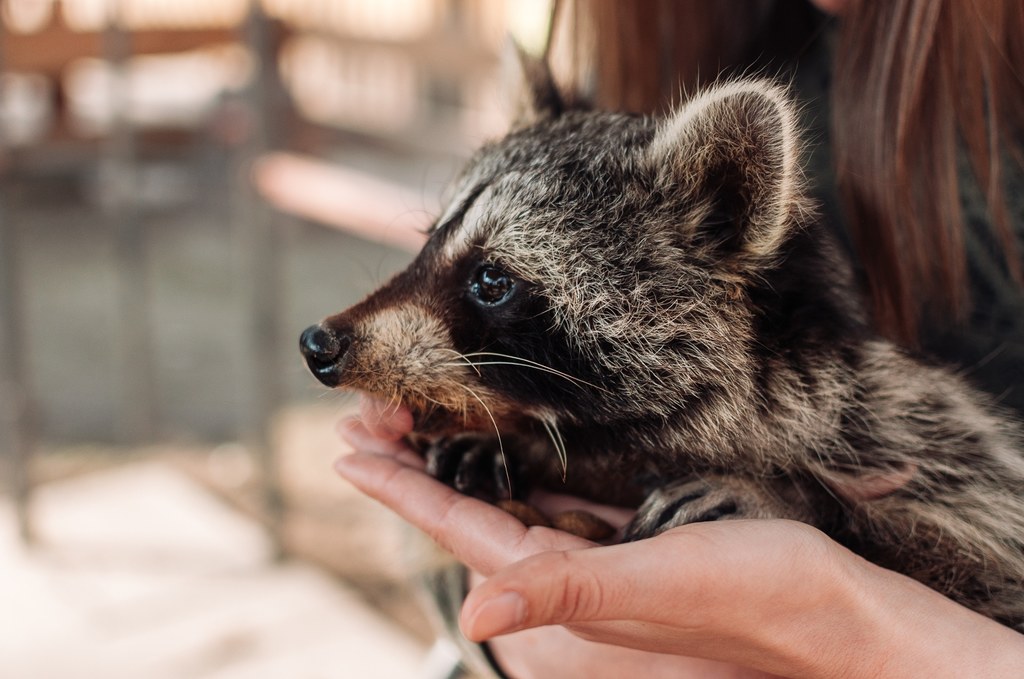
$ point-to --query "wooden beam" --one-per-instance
(50, 50)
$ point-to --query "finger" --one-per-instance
(354, 432)
(388, 420)
(480, 535)
(553, 588)
(691, 569)
(714, 590)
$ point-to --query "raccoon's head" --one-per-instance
(588, 268)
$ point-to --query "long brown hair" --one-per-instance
(917, 81)
(917, 84)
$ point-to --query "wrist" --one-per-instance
(920, 633)
(887, 625)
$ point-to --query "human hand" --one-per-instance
(543, 652)
(772, 595)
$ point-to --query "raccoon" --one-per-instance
(647, 312)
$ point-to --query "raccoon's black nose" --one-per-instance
(324, 352)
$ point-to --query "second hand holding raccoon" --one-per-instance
(777, 596)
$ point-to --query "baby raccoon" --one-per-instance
(645, 312)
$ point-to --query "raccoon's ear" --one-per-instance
(732, 155)
(535, 94)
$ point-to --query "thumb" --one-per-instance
(551, 588)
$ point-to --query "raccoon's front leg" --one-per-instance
(475, 464)
(714, 498)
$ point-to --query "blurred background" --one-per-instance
(184, 186)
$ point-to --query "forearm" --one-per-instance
(942, 637)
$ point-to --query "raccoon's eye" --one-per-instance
(491, 285)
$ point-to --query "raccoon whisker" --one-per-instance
(556, 373)
(394, 403)
(570, 378)
(456, 409)
(527, 363)
(432, 401)
(501, 447)
(565, 452)
(559, 443)
(464, 408)
(465, 359)
(558, 449)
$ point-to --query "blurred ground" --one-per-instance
(152, 564)
(140, 572)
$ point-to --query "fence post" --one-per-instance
(260, 245)
(137, 410)
(16, 421)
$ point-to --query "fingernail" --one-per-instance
(504, 613)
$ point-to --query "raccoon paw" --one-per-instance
(472, 464)
(576, 522)
(704, 499)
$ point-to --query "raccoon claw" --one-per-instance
(708, 499)
(472, 465)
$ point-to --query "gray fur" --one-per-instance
(712, 345)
